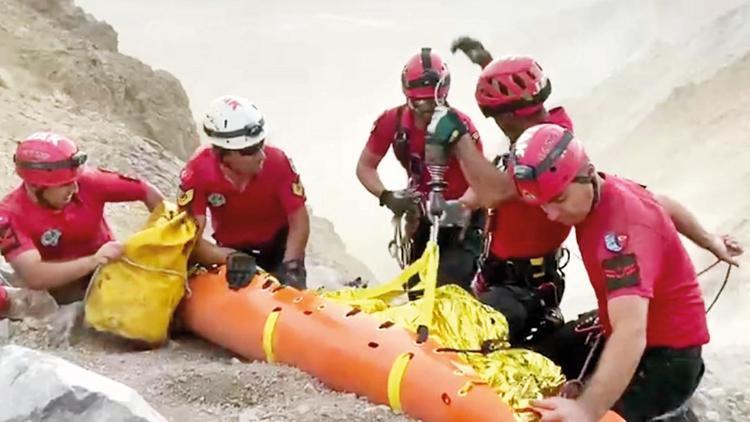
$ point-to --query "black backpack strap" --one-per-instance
(401, 139)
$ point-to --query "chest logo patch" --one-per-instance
(614, 242)
(50, 238)
(217, 199)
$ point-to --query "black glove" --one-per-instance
(473, 49)
(292, 273)
(241, 268)
(400, 201)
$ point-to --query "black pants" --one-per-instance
(269, 255)
(664, 380)
(458, 254)
(526, 295)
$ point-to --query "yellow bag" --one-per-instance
(135, 296)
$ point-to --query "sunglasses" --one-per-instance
(77, 160)
(252, 150)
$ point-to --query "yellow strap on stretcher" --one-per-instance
(268, 329)
(395, 376)
(428, 274)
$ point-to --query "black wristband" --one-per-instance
(382, 196)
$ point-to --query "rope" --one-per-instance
(487, 347)
(173, 273)
(399, 247)
(723, 283)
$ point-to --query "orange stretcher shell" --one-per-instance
(346, 349)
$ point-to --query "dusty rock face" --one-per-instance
(124, 115)
(70, 392)
(60, 70)
(66, 15)
(66, 52)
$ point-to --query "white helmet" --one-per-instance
(234, 122)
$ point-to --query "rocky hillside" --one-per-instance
(676, 119)
(60, 70)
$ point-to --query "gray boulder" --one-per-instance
(41, 387)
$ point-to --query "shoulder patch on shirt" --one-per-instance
(185, 197)
(621, 271)
(298, 189)
(216, 200)
(615, 242)
(120, 175)
(8, 239)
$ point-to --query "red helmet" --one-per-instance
(544, 161)
(47, 159)
(510, 84)
(422, 73)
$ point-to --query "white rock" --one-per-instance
(249, 415)
(716, 392)
(6, 81)
(44, 388)
(712, 416)
(5, 329)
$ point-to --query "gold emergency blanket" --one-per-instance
(134, 297)
(458, 321)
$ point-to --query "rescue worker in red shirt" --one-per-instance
(253, 191)
(522, 276)
(649, 301)
(52, 227)
(424, 79)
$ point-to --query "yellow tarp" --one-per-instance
(135, 296)
(457, 320)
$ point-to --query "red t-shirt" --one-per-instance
(73, 232)
(4, 300)
(242, 217)
(522, 231)
(384, 133)
(630, 246)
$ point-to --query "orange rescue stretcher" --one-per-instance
(345, 348)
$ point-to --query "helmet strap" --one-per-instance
(38, 194)
(426, 59)
(595, 181)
